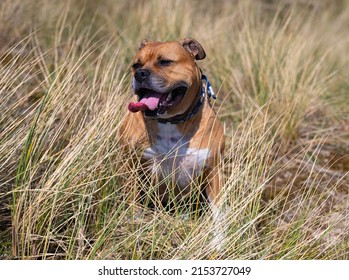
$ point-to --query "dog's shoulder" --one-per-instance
(132, 129)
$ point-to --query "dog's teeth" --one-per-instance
(169, 97)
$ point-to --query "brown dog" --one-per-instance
(172, 120)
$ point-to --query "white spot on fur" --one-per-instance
(171, 156)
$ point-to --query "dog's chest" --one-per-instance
(170, 155)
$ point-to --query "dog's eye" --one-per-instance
(165, 62)
(136, 66)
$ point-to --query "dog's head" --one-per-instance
(166, 78)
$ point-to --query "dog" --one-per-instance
(171, 120)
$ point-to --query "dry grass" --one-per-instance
(281, 76)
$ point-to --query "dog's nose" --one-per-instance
(141, 74)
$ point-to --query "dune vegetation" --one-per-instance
(280, 70)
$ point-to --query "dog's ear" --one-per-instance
(193, 47)
(144, 42)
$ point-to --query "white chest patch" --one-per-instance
(171, 156)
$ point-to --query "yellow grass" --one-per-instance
(280, 70)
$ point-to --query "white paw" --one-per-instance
(217, 242)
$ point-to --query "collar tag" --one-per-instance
(208, 88)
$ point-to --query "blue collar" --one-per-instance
(205, 88)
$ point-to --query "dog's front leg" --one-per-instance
(215, 198)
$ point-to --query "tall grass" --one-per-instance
(281, 76)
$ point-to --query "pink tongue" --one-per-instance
(150, 101)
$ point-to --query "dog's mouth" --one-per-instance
(154, 103)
